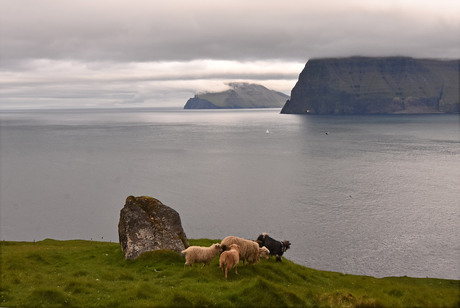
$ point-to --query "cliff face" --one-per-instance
(240, 95)
(361, 85)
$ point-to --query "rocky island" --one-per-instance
(240, 95)
(369, 85)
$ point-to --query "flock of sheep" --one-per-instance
(232, 249)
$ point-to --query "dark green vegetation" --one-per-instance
(240, 95)
(94, 274)
(361, 85)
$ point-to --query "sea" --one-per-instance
(375, 195)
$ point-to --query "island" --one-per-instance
(376, 85)
(239, 95)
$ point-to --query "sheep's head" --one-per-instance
(286, 245)
(216, 246)
(264, 252)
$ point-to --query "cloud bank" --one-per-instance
(85, 53)
(133, 84)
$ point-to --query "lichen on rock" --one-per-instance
(146, 224)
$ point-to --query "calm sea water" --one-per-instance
(372, 195)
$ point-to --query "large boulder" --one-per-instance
(146, 224)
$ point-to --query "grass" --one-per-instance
(94, 274)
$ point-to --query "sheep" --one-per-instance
(277, 248)
(249, 250)
(264, 252)
(198, 254)
(229, 259)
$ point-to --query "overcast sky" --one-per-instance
(110, 53)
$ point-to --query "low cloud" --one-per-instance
(45, 82)
(144, 31)
(110, 52)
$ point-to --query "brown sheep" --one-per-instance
(229, 259)
(249, 250)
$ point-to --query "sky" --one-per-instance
(148, 53)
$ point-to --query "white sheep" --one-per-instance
(249, 250)
(264, 252)
(198, 254)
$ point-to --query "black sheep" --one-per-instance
(277, 248)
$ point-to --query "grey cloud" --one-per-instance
(43, 82)
(142, 31)
(116, 52)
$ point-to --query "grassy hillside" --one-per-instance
(94, 274)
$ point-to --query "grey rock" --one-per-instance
(146, 224)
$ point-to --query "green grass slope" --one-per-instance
(94, 274)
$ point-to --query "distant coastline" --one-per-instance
(381, 85)
(239, 95)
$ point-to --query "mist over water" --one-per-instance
(372, 195)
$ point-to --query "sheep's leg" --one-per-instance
(226, 270)
(236, 268)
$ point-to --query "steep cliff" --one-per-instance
(360, 85)
(240, 95)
